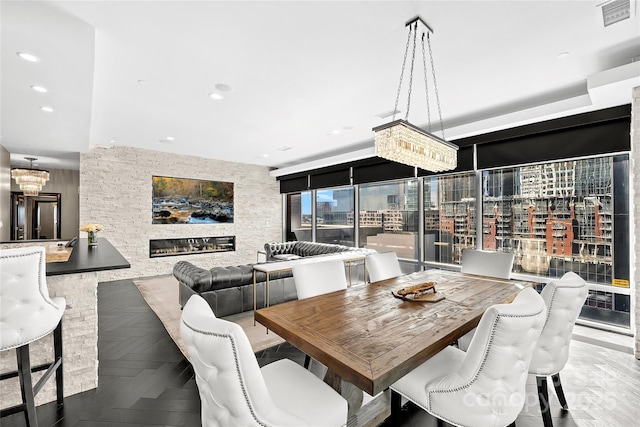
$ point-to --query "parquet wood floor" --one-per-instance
(144, 380)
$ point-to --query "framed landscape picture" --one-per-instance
(191, 201)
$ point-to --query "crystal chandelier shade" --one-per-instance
(30, 180)
(402, 142)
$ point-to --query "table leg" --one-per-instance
(351, 393)
(333, 380)
(255, 304)
(266, 294)
(350, 262)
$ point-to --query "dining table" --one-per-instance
(370, 338)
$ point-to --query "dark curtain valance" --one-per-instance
(588, 134)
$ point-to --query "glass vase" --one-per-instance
(92, 237)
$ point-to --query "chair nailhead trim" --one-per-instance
(484, 359)
(235, 358)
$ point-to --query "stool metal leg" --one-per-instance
(28, 390)
(26, 385)
(57, 346)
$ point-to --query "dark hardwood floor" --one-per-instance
(143, 377)
(145, 380)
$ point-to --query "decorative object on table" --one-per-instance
(92, 233)
(402, 142)
(30, 180)
(422, 292)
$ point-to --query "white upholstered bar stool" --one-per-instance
(486, 385)
(27, 313)
(382, 266)
(316, 279)
(235, 391)
(564, 299)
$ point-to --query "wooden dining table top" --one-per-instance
(371, 339)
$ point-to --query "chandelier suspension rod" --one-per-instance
(426, 85)
(413, 60)
(404, 62)
(435, 85)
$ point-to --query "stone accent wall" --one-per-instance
(79, 341)
(635, 205)
(116, 191)
(5, 194)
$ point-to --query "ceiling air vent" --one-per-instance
(615, 11)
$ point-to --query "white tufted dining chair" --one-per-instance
(318, 278)
(27, 314)
(382, 266)
(235, 391)
(486, 385)
(487, 263)
(484, 263)
(564, 299)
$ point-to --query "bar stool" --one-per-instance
(27, 313)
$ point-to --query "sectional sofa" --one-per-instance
(229, 289)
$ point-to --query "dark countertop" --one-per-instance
(84, 259)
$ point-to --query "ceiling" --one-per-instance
(303, 82)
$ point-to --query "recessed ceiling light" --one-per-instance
(216, 96)
(222, 87)
(563, 55)
(167, 140)
(334, 132)
(347, 128)
(28, 57)
(40, 89)
(112, 140)
(46, 109)
(284, 148)
(142, 82)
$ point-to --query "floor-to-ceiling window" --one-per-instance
(449, 217)
(388, 217)
(299, 216)
(561, 216)
(335, 216)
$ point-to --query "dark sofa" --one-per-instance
(287, 251)
(229, 289)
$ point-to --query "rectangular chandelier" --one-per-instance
(402, 142)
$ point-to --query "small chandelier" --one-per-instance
(402, 142)
(30, 180)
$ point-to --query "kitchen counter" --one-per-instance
(75, 279)
(85, 259)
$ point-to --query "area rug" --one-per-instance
(161, 294)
